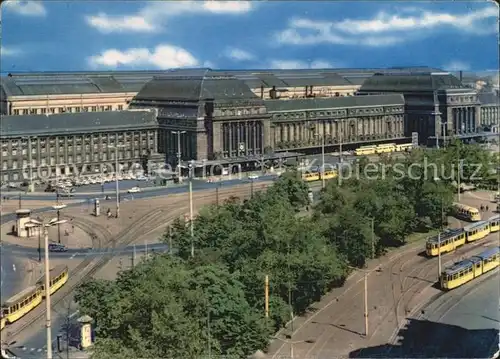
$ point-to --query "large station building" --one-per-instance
(213, 116)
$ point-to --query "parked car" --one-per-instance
(57, 247)
(252, 176)
(134, 190)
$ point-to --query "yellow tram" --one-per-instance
(465, 271)
(446, 242)
(318, 176)
(2, 321)
(365, 150)
(385, 148)
(404, 147)
(477, 231)
(28, 299)
(58, 277)
(21, 304)
(466, 213)
(494, 223)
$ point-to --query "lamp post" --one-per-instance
(191, 224)
(44, 226)
(116, 179)
(366, 274)
(58, 208)
(179, 133)
(323, 183)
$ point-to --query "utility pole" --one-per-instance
(179, 133)
(217, 195)
(191, 223)
(323, 160)
(439, 256)
(251, 187)
(133, 257)
(146, 248)
(341, 130)
(290, 300)
(20, 201)
(373, 237)
(39, 246)
(266, 294)
(366, 304)
(458, 177)
(170, 235)
(117, 185)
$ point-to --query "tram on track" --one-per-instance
(318, 176)
(467, 213)
(451, 239)
(25, 301)
(465, 271)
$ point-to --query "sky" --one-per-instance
(120, 35)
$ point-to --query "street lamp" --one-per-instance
(191, 224)
(45, 226)
(322, 160)
(58, 208)
(366, 274)
(178, 133)
(116, 179)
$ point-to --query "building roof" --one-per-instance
(333, 102)
(207, 85)
(25, 125)
(38, 84)
(411, 82)
(488, 98)
(57, 83)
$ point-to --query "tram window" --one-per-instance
(478, 265)
(5, 311)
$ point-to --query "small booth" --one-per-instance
(24, 227)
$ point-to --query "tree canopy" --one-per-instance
(175, 305)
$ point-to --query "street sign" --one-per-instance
(414, 139)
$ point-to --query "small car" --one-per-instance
(57, 247)
(252, 176)
(134, 190)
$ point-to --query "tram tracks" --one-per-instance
(144, 224)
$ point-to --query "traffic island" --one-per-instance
(68, 234)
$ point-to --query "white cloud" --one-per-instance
(238, 54)
(456, 66)
(385, 29)
(153, 16)
(297, 64)
(162, 57)
(9, 51)
(26, 8)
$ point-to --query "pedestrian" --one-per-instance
(487, 208)
(482, 208)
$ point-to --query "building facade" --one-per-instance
(437, 105)
(47, 146)
(302, 124)
(213, 117)
(490, 106)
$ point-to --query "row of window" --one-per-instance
(52, 149)
(52, 161)
(72, 109)
(80, 139)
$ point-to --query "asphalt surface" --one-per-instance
(85, 193)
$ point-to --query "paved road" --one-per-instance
(462, 323)
(147, 192)
(10, 276)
